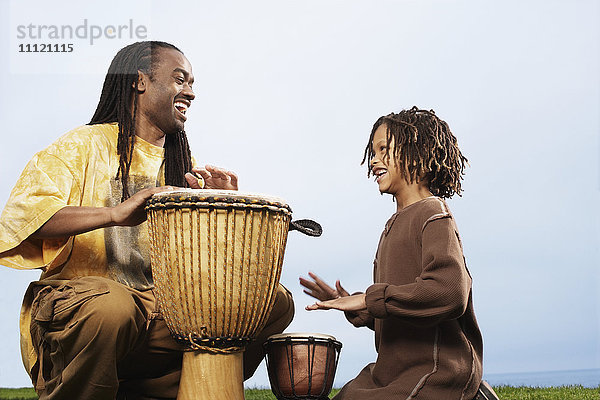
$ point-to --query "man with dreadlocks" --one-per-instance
(420, 306)
(90, 327)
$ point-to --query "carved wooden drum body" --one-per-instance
(302, 365)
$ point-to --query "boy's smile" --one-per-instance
(379, 173)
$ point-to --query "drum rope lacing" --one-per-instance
(172, 203)
(192, 339)
(218, 345)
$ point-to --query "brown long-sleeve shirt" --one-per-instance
(420, 306)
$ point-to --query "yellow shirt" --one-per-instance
(79, 169)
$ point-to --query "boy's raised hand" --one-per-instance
(320, 290)
(330, 298)
(353, 303)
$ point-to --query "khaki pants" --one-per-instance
(98, 339)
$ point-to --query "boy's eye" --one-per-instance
(179, 80)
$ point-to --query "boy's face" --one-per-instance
(388, 174)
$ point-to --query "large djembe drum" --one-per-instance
(216, 261)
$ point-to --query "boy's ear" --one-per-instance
(142, 81)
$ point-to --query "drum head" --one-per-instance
(199, 198)
(300, 336)
(221, 194)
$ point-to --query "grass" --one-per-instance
(504, 392)
(265, 394)
(18, 394)
(552, 393)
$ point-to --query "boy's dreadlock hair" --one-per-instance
(424, 148)
(118, 103)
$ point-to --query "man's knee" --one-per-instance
(91, 307)
(283, 309)
(281, 316)
(113, 310)
(93, 322)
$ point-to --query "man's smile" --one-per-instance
(181, 106)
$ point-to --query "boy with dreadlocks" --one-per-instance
(420, 306)
(90, 326)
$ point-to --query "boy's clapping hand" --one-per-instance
(320, 290)
(355, 302)
(330, 298)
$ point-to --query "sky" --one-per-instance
(286, 95)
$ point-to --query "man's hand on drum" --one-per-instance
(132, 211)
(211, 177)
(72, 220)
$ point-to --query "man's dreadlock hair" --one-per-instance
(424, 148)
(118, 103)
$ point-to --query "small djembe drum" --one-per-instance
(216, 261)
(302, 365)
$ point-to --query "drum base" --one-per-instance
(211, 376)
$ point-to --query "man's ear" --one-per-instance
(142, 81)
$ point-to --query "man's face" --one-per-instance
(167, 96)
